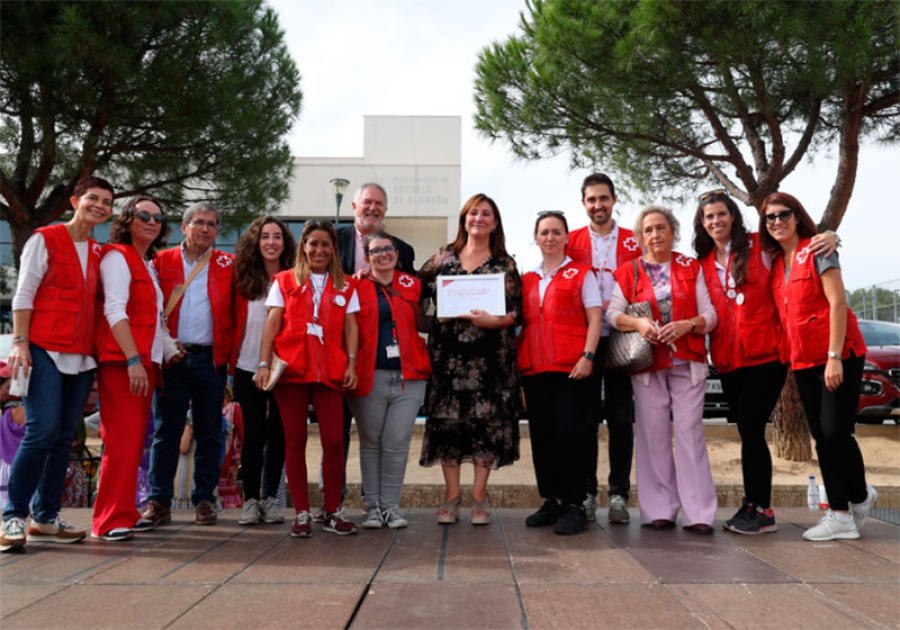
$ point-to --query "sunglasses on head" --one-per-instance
(551, 213)
(783, 216)
(146, 217)
(718, 192)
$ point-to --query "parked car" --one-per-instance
(714, 403)
(879, 398)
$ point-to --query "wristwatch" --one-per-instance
(834, 355)
(588, 355)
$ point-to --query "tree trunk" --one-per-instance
(792, 438)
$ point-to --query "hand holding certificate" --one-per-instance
(460, 295)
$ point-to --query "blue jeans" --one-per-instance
(52, 411)
(197, 384)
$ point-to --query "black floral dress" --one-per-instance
(473, 399)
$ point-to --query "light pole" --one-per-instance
(338, 187)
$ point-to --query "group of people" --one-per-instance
(336, 321)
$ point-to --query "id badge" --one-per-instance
(393, 351)
(314, 329)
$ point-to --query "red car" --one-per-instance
(879, 398)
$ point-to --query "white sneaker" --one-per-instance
(590, 506)
(393, 518)
(12, 534)
(373, 519)
(618, 509)
(861, 510)
(830, 527)
(251, 513)
(271, 510)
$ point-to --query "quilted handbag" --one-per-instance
(629, 351)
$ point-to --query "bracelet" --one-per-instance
(20, 339)
(834, 355)
(352, 356)
(263, 364)
(588, 355)
(837, 239)
(133, 360)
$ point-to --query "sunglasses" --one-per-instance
(389, 249)
(718, 192)
(146, 217)
(782, 216)
(551, 213)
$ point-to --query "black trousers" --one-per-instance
(832, 418)
(262, 457)
(558, 419)
(751, 393)
(618, 408)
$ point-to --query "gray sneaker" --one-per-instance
(861, 510)
(251, 514)
(590, 507)
(373, 519)
(271, 510)
(618, 509)
(12, 535)
(393, 518)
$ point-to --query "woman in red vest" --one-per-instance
(745, 344)
(393, 371)
(312, 326)
(669, 394)
(130, 351)
(562, 307)
(827, 353)
(266, 248)
(53, 345)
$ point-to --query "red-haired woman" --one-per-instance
(827, 353)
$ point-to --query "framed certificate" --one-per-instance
(459, 295)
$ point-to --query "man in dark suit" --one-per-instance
(369, 208)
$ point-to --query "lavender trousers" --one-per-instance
(668, 480)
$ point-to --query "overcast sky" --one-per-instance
(417, 57)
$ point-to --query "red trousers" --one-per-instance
(293, 403)
(123, 426)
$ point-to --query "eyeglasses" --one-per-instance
(146, 217)
(199, 223)
(782, 216)
(388, 249)
(718, 192)
(551, 213)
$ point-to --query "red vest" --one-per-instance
(580, 249)
(310, 360)
(553, 337)
(220, 277)
(414, 360)
(805, 312)
(747, 333)
(142, 310)
(64, 315)
(684, 273)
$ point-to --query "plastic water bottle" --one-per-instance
(812, 494)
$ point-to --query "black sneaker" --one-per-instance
(547, 515)
(742, 513)
(573, 521)
(751, 520)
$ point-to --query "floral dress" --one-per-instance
(473, 399)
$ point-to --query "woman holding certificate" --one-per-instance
(312, 327)
(473, 399)
(393, 371)
(562, 307)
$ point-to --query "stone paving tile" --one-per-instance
(416, 552)
(768, 607)
(109, 606)
(452, 606)
(605, 606)
(14, 596)
(271, 606)
(540, 556)
(879, 602)
(65, 564)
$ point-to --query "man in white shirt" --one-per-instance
(604, 245)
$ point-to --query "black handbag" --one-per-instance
(629, 351)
